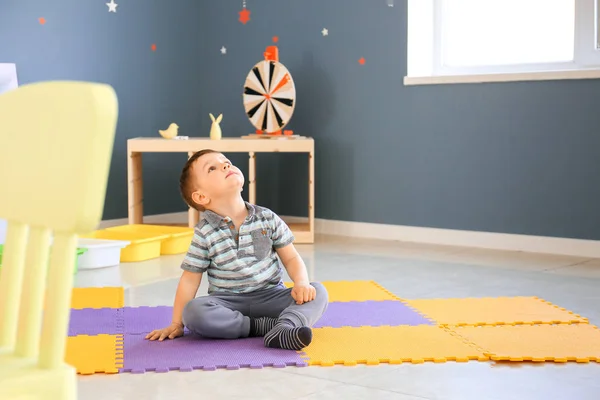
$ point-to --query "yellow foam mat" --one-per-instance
(558, 343)
(95, 354)
(494, 311)
(97, 297)
(388, 344)
(344, 291)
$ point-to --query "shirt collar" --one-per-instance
(215, 219)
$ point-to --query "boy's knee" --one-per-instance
(194, 315)
(322, 295)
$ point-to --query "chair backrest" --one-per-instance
(56, 141)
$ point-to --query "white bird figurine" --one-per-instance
(170, 132)
(215, 129)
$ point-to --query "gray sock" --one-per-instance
(286, 336)
(260, 326)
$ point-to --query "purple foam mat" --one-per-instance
(370, 313)
(141, 320)
(191, 352)
(137, 320)
(95, 321)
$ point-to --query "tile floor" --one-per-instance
(410, 271)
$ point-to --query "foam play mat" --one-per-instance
(190, 352)
(558, 343)
(94, 354)
(494, 311)
(340, 291)
(388, 344)
(97, 297)
(364, 324)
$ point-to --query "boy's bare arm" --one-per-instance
(186, 291)
(303, 291)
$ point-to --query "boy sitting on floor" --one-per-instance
(237, 244)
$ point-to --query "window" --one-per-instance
(500, 40)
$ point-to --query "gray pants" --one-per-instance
(227, 315)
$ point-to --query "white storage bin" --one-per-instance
(100, 252)
(3, 227)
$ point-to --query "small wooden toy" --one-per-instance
(170, 132)
(215, 129)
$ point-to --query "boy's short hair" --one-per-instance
(185, 185)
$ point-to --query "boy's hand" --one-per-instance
(303, 293)
(172, 331)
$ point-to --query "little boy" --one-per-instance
(237, 244)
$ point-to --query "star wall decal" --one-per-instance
(325, 32)
(112, 6)
(244, 16)
(223, 50)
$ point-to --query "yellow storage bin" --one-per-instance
(178, 237)
(143, 245)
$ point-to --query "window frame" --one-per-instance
(585, 65)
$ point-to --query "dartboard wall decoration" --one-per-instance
(269, 96)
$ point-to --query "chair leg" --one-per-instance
(58, 300)
(32, 298)
(11, 281)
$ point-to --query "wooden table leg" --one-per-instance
(193, 214)
(252, 178)
(135, 188)
(193, 217)
(311, 195)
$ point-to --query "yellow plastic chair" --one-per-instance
(56, 141)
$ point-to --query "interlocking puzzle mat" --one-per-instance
(138, 320)
(97, 297)
(370, 313)
(131, 320)
(95, 354)
(355, 291)
(388, 344)
(494, 311)
(100, 311)
(95, 321)
(192, 352)
(538, 343)
(141, 320)
(364, 323)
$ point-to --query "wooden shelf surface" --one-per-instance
(238, 145)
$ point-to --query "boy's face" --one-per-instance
(215, 178)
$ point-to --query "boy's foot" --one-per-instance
(285, 336)
(260, 326)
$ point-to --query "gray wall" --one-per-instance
(509, 157)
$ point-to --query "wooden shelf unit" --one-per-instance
(304, 232)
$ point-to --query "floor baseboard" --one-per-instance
(449, 237)
(435, 236)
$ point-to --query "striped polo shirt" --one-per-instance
(238, 261)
